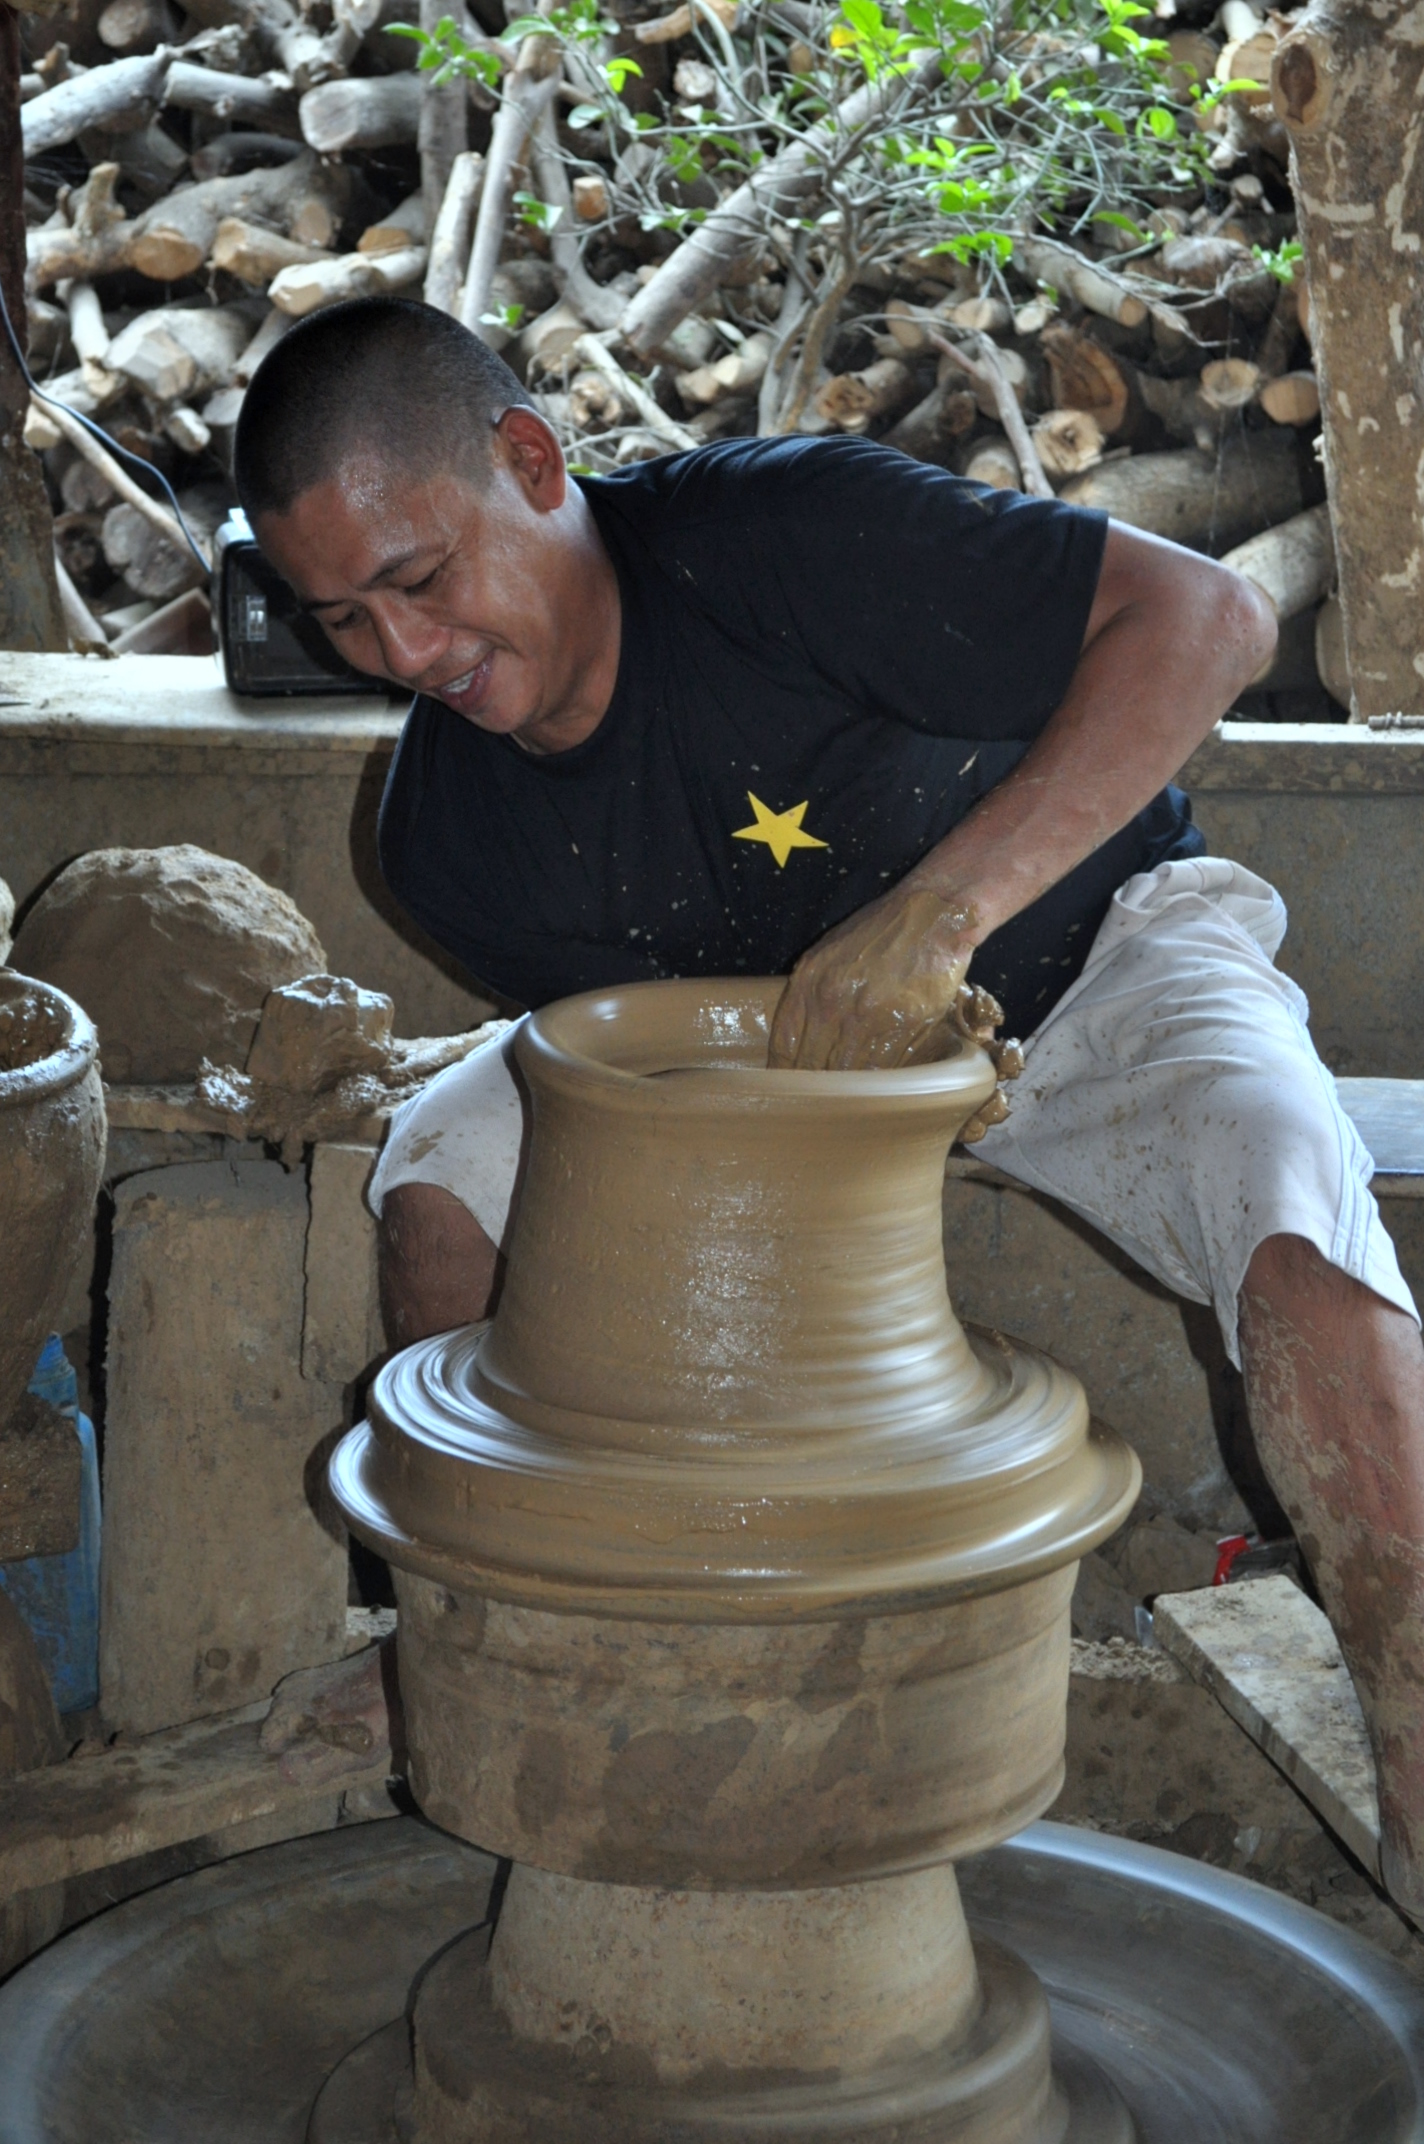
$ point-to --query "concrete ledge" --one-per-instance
(1271, 1658)
(161, 699)
(1334, 758)
(186, 1783)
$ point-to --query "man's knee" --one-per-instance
(437, 1266)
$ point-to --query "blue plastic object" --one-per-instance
(58, 1596)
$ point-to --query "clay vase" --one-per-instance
(734, 1583)
(52, 1139)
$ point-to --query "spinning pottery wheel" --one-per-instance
(734, 1585)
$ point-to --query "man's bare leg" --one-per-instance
(1335, 1384)
(437, 1266)
(437, 1269)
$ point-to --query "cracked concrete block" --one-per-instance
(342, 1333)
(218, 1577)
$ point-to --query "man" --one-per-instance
(810, 706)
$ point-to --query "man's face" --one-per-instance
(463, 590)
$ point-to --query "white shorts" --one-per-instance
(1172, 1097)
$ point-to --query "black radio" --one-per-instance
(269, 644)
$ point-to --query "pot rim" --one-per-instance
(714, 1017)
(59, 1068)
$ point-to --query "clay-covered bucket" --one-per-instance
(52, 1137)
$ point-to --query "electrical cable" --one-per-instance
(109, 444)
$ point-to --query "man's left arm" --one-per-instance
(1171, 639)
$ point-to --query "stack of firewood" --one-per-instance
(195, 182)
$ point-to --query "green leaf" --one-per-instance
(617, 71)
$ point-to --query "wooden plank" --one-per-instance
(1271, 1658)
(185, 1783)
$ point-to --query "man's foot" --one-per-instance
(330, 1722)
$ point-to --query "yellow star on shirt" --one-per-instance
(782, 831)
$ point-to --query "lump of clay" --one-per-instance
(171, 952)
(313, 1032)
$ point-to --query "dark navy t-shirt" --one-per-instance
(829, 652)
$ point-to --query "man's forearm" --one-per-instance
(1163, 667)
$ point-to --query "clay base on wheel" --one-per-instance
(476, 2084)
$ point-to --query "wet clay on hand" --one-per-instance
(879, 989)
(887, 987)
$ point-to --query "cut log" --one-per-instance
(928, 430)
(547, 340)
(187, 430)
(993, 462)
(175, 237)
(1330, 661)
(1068, 442)
(149, 159)
(589, 351)
(1294, 398)
(369, 112)
(1206, 501)
(1097, 290)
(273, 328)
(116, 475)
(178, 352)
(784, 185)
(450, 239)
(852, 400)
(594, 403)
(87, 331)
(86, 637)
(302, 290)
(667, 29)
(151, 564)
(182, 627)
(1348, 86)
(1229, 383)
(230, 154)
(129, 26)
(981, 316)
(1292, 564)
(1085, 376)
(254, 254)
(109, 99)
(739, 373)
(1202, 263)
(986, 368)
(399, 227)
(231, 96)
(1009, 366)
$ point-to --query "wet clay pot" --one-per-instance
(734, 1583)
(52, 1137)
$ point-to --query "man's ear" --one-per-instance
(530, 448)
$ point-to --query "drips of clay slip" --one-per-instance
(734, 1586)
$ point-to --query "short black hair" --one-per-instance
(383, 373)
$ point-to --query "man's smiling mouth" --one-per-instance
(467, 692)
